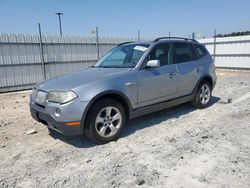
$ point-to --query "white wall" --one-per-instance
(231, 52)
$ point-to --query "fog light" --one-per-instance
(58, 111)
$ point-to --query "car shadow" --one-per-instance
(81, 141)
(163, 115)
(135, 124)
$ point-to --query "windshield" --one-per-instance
(125, 56)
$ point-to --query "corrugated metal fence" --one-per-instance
(21, 57)
(230, 52)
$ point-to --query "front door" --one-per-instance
(156, 85)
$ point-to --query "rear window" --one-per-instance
(199, 50)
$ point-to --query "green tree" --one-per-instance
(234, 34)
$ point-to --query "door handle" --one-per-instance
(171, 75)
(130, 84)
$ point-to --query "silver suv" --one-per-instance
(131, 80)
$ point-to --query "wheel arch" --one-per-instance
(209, 79)
(113, 94)
(206, 77)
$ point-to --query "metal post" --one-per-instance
(214, 44)
(41, 51)
(139, 35)
(193, 35)
(169, 34)
(97, 43)
(60, 24)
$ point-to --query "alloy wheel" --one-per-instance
(108, 121)
(204, 94)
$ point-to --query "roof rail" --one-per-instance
(123, 43)
(179, 38)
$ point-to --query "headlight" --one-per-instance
(34, 94)
(61, 96)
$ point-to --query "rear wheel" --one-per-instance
(203, 95)
(105, 121)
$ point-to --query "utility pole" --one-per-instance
(139, 35)
(169, 34)
(60, 24)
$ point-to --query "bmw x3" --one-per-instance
(132, 79)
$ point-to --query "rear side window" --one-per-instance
(183, 52)
(199, 50)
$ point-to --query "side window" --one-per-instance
(199, 50)
(162, 53)
(183, 52)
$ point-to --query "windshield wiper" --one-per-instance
(113, 66)
(105, 66)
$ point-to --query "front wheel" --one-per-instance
(105, 121)
(203, 95)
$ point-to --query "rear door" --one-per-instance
(188, 67)
(157, 84)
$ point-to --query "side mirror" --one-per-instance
(153, 64)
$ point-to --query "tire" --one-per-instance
(106, 120)
(202, 96)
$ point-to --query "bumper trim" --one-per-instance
(51, 123)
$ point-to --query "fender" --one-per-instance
(108, 92)
(199, 81)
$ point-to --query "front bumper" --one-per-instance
(54, 115)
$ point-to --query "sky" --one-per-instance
(123, 18)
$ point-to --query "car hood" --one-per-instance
(76, 79)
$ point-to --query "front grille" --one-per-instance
(42, 106)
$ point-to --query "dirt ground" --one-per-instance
(177, 147)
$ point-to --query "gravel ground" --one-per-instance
(177, 147)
